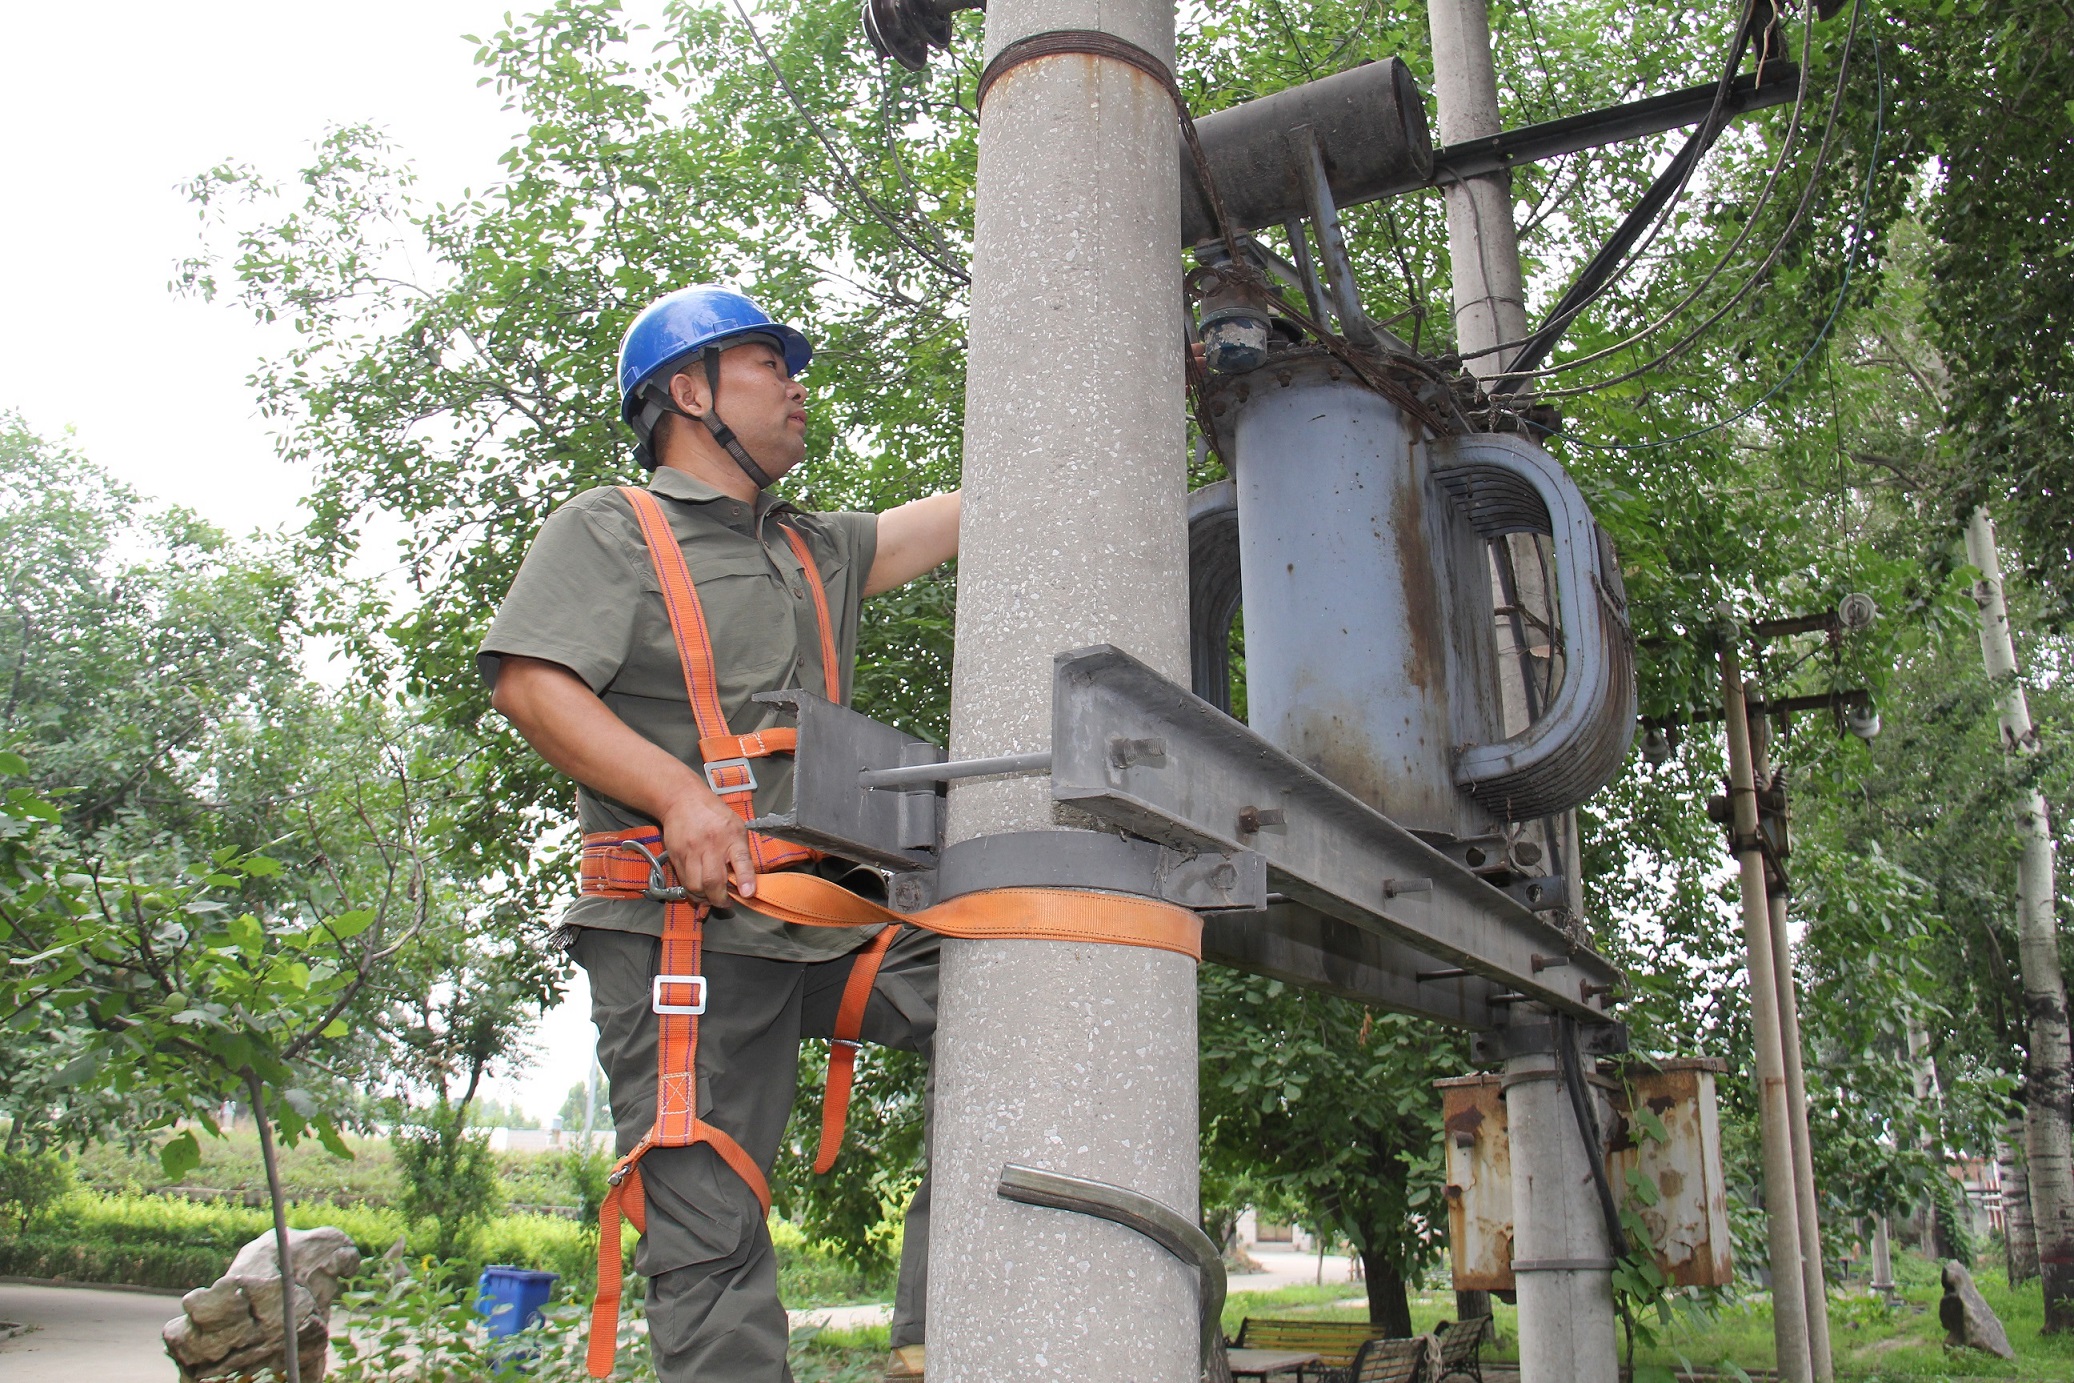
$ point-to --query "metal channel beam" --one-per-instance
(1653, 115)
(892, 828)
(1215, 785)
(1304, 947)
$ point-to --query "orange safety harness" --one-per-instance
(630, 864)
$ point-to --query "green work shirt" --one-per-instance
(587, 598)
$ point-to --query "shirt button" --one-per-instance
(798, 593)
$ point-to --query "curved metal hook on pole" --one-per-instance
(1172, 1231)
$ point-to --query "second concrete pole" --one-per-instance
(1566, 1319)
(1781, 1206)
(1562, 1262)
(1814, 1280)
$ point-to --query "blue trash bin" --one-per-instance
(509, 1299)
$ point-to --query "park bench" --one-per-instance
(1416, 1360)
(1460, 1342)
(1334, 1342)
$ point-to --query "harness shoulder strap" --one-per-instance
(726, 755)
(831, 674)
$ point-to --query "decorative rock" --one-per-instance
(1967, 1318)
(232, 1330)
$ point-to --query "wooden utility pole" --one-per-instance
(1781, 1204)
(2047, 1084)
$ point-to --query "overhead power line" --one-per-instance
(1862, 230)
(1778, 246)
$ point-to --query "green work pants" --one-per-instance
(713, 1309)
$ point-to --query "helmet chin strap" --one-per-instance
(724, 434)
(659, 396)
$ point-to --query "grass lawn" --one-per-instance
(1869, 1340)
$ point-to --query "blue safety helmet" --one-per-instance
(672, 333)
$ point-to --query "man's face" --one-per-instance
(764, 405)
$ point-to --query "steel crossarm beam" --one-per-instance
(1216, 785)
(1302, 946)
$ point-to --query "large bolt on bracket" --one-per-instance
(905, 30)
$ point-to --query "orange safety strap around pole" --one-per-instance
(1039, 914)
(842, 1047)
(1021, 914)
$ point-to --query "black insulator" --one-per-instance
(905, 30)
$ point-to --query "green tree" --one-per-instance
(30, 1183)
(218, 881)
(1331, 1107)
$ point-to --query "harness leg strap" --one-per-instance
(842, 1048)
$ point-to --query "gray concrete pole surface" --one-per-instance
(1075, 1058)
(1566, 1317)
(1483, 242)
(1566, 1330)
(1882, 1258)
(1814, 1280)
(1781, 1206)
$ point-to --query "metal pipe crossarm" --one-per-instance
(922, 775)
(1574, 133)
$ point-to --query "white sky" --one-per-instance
(105, 111)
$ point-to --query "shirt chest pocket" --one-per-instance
(749, 623)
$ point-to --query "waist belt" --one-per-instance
(630, 864)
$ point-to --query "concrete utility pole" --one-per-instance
(1483, 242)
(1074, 1058)
(1781, 1205)
(2047, 1079)
(1562, 1257)
(1814, 1283)
(1883, 1259)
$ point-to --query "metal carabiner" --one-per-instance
(659, 889)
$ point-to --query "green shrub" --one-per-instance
(167, 1241)
(140, 1265)
(449, 1175)
(419, 1321)
(30, 1183)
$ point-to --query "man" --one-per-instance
(593, 657)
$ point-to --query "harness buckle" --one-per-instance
(692, 1009)
(717, 765)
(660, 889)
